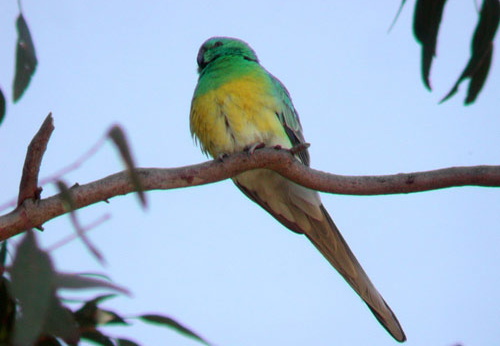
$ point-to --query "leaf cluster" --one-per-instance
(33, 313)
(426, 23)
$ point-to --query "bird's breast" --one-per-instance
(236, 114)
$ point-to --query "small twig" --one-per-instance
(74, 236)
(28, 187)
(63, 171)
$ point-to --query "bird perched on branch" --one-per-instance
(238, 105)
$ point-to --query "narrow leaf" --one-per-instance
(101, 298)
(403, 2)
(481, 52)
(109, 317)
(171, 323)
(87, 314)
(3, 256)
(25, 58)
(118, 137)
(487, 26)
(60, 322)
(32, 284)
(97, 337)
(47, 340)
(126, 342)
(91, 315)
(426, 21)
(7, 313)
(66, 196)
(3, 106)
(479, 77)
(76, 281)
(68, 200)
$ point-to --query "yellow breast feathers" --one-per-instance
(238, 113)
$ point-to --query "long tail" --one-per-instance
(300, 210)
(328, 240)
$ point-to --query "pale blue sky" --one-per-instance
(211, 258)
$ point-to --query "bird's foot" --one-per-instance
(299, 147)
(251, 148)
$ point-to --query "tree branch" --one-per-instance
(33, 213)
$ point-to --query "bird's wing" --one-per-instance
(289, 118)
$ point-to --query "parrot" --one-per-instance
(239, 106)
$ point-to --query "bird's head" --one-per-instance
(217, 47)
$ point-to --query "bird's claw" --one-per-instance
(251, 148)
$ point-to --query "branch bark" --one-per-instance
(33, 213)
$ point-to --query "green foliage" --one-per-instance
(26, 60)
(481, 51)
(426, 23)
(120, 140)
(33, 268)
(7, 303)
(169, 322)
(125, 342)
(31, 312)
(427, 18)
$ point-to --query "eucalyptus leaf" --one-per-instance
(26, 60)
(173, 324)
(32, 285)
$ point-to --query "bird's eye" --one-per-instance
(218, 44)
